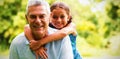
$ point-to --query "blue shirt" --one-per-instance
(60, 49)
(73, 43)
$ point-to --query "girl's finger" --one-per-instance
(36, 54)
(42, 55)
(45, 55)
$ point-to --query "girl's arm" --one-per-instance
(28, 33)
(69, 29)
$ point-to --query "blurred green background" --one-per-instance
(97, 23)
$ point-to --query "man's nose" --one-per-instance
(38, 20)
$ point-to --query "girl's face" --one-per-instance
(59, 18)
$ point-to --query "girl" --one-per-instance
(60, 19)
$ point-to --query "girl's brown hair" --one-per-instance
(63, 6)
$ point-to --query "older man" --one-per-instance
(37, 15)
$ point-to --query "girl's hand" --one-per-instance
(72, 25)
(42, 53)
(72, 28)
(34, 45)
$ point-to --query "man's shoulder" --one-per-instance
(20, 35)
(19, 38)
(51, 30)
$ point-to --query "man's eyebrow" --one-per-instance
(42, 14)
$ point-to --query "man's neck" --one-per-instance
(38, 37)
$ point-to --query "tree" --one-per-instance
(10, 9)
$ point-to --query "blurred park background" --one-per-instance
(97, 23)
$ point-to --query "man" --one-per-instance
(37, 15)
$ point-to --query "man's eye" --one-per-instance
(41, 16)
(32, 16)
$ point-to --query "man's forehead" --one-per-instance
(37, 7)
(37, 10)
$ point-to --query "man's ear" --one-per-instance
(26, 18)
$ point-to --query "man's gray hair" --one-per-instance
(38, 2)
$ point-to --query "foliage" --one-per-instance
(12, 21)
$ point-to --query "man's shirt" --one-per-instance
(60, 49)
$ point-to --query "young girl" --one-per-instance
(60, 19)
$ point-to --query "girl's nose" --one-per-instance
(59, 19)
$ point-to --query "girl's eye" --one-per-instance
(62, 16)
(55, 17)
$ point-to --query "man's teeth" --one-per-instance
(38, 26)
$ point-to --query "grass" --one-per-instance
(87, 50)
(4, 51)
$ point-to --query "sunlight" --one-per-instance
(84, 2)
(95, 6)
(98, 7)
